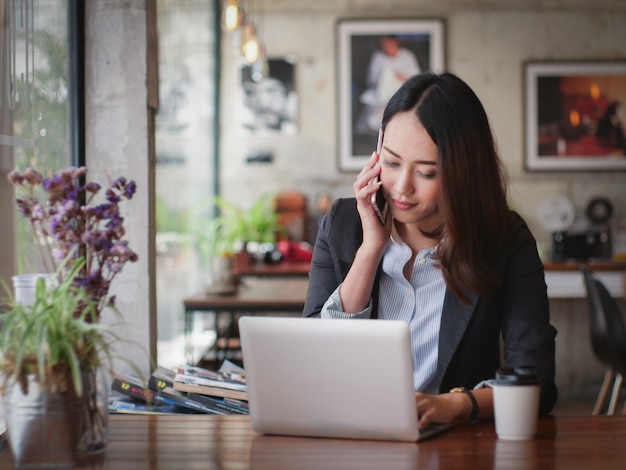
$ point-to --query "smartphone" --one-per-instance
(378, 200)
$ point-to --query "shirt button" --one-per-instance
(423, 261)
(409, 293)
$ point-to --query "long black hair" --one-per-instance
(473, 185)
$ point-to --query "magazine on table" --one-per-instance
(229, 405)
(121, 404)
(228, 376)
(219, 392)
(167, 396)
(219, 398)
(161, 378)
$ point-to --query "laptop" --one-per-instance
(331, 378)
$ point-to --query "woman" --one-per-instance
(451, 259)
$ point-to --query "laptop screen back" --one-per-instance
(329, 378)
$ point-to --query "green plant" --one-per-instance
(169, 220)
(213, 240)
(223, 228)
(262, 220)
(57, 338)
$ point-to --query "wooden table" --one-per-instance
(284, 269)
(258, 296)
(227, 442)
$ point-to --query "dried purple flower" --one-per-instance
(130, 189)
(32, 177)
(76, 226)
(92, 187)
(15, 178)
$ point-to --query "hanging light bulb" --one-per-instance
(231, 17)
(260, 67)
(251, 52)
(245, 33)
(250, 45)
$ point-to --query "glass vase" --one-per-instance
(94, 435)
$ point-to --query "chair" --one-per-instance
(608, 340)
(291, 208)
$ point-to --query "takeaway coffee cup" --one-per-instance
(516, 403)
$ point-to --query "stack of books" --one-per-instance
(228, 381)
(188, 389)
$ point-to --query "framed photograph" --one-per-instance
(574, 115)
(269, 98)
(374, 58)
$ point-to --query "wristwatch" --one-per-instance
(474, 414)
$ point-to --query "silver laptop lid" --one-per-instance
(329, 378)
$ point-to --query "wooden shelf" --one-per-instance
(595, 265)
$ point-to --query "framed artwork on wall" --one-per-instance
(374, 58)
(269, 103)
(574, 115)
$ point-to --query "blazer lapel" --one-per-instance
(454, 320)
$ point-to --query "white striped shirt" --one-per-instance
(419, 303)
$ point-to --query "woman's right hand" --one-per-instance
(356, 289)
(375, 235)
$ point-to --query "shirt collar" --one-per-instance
(398, 241)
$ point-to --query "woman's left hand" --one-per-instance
(444, 408)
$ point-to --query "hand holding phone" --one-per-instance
(377, 198)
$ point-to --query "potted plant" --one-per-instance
(255, 229)
(224, 233)
(48, 350)
(80, 238)
(217, 251)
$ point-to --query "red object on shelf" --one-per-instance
(295, 251)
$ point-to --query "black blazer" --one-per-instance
(469, 335)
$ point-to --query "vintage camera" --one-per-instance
(582, 244)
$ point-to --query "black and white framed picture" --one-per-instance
(269, 98)
(374, 58)
(574, 115)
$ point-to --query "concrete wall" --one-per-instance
(117, 145)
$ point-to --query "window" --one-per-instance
(186, 142)
(40, 125)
